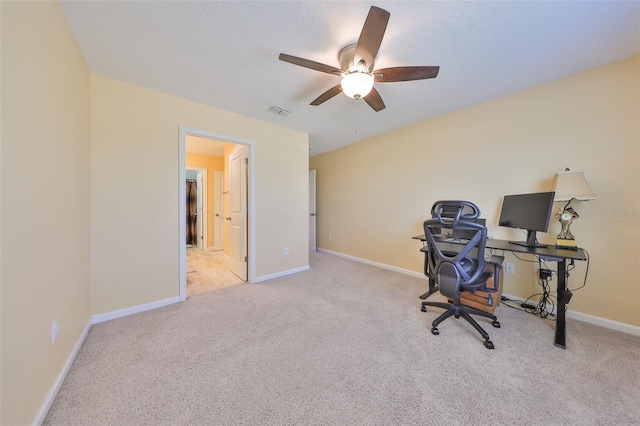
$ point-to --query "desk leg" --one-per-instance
(433, 287)
(560, 319)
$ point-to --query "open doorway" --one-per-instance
(220, 257)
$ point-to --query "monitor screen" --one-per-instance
(530, 212)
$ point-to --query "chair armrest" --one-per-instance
(487, 296)
(496, 261)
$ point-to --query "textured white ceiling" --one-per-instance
(225, 53)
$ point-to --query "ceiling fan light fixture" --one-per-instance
(357, 84)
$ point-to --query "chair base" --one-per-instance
(464, 312)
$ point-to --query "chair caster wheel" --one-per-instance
(423, 309)
(435, 331)
(488, 344)
(496, 324)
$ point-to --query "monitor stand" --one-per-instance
(526, 244)
(531, 242)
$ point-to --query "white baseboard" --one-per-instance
(603, 322)
(281, 274)
(96, 319)
(51, 396)
(378, 264)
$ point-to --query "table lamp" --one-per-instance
(570, 185)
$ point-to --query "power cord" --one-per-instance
(547, 302)
(529, 308)
(586, 272)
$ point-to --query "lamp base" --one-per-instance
(566, 243)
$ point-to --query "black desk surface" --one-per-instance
(550, 251)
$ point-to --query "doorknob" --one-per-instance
(312, 214)
(228, 218)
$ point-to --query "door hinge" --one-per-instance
(246, 161)
(246, 258)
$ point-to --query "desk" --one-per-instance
(548, 254)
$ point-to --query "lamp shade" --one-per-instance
(357, 84)
(570, 184)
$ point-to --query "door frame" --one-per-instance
(313, 209)
(182, 210)
(205, 221)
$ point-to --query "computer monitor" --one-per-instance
(459, 234)
(530, 212)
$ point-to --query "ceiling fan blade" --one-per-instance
(317, 66)
(371, 36)
(374, 100)
(327, 95)
(387, 75)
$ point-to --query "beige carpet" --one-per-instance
(343, 344)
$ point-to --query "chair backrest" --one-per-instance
(466, 264)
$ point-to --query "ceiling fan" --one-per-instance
(357, 62)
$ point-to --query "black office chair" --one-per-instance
(459, 265)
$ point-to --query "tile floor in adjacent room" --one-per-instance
(208, 270)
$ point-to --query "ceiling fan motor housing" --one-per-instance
(346, 56)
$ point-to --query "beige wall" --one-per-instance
(374, 195)
(134, 191)
(211, 164)
(45, 203)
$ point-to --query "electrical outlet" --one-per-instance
(329, 237)
(510, 268)
(545, 274)
(55, 330)
(286, 251)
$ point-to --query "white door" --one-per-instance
(218, 211)
(199, 210)
(312, 210)
(238, 208)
